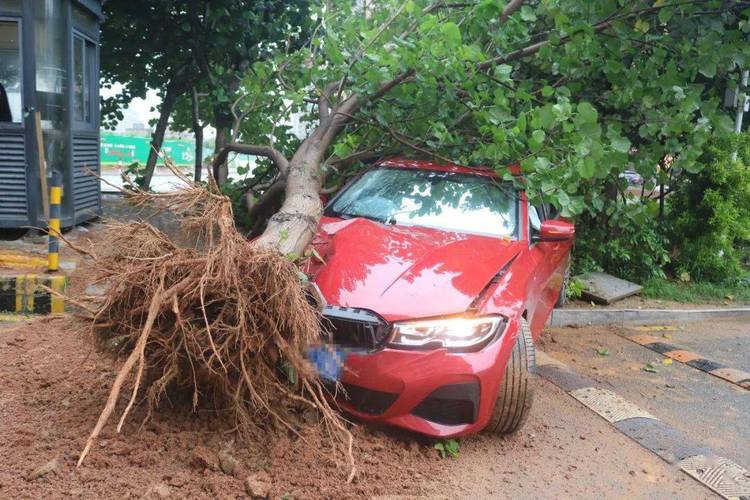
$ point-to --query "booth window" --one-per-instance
(84, 57)
(10, 72)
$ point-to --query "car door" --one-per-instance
(552, 259)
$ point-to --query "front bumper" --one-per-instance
(436, 392)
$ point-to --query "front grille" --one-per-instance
(350, 327)
(450, 405)
(367, 401)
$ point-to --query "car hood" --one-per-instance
(405, 271)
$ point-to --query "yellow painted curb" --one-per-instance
(13, 317)
(15, 259)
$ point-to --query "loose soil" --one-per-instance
(54, 387)
(55, 384)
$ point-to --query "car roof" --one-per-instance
(443, 167)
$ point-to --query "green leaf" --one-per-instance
(447, 448)
(503, 71)
(587, 168)
(537, 139)
(587, 112)
(451, 34)
(546, 116)
(649, 367)
(527, 14)
(621, 144)
(562, 198)
(665, 14)
(708, 69)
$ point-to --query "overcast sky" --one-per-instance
(139, 109)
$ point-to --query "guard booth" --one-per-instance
(49, 109)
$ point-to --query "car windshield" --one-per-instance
(443, 200)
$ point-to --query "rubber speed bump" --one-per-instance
(608, 405)
(720, 474)
(29, 294)
(693, 359)
(727, 478)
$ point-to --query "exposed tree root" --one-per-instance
(222, 318)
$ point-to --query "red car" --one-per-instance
(438, 279)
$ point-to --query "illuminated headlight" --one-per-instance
(453, 333)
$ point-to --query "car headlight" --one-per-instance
(452, 333)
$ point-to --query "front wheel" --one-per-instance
(516, 392)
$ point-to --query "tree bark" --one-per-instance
(224, 124)
(291, 229)
(198, 133)
(174, 88)
(221, 170)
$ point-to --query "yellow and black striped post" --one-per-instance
(53, 232)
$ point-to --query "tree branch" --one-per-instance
(324, 103)
(269, 152)
(532, 49)
(509, 9)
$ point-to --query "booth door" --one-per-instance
(85, 148)
(14, 204)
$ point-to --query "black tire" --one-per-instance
(517, 390)
(562, 299)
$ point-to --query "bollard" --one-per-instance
(53, 232)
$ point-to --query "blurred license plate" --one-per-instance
(328, 361)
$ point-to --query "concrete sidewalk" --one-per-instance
(607, 316)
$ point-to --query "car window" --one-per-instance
(442, 200)
(534, 221)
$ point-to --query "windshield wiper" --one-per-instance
(355, 216)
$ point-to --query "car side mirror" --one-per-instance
(555, 230)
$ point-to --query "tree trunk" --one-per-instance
(291, 229)
(198, 154)
(221, 170)
(157, 138)
(198, 133)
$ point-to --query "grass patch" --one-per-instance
(695, 292)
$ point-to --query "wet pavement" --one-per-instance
(714, 412)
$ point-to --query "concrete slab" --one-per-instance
(589, 317)
(604, 288)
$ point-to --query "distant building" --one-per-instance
(139, 129)
(49, 64)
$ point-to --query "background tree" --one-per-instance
(575, 91)
(175, 46)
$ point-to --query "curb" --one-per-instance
(15, 259)
(587, 317)
(23, 293)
